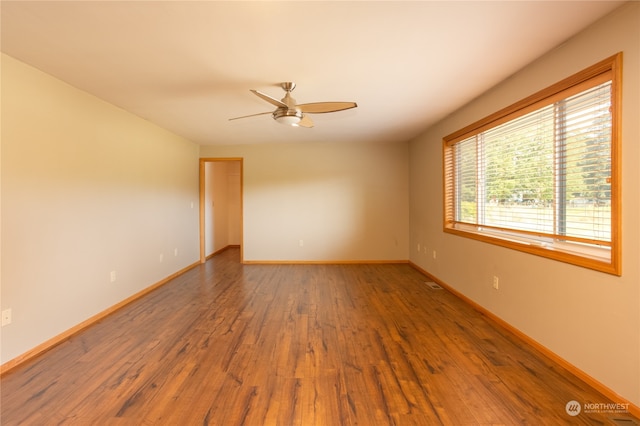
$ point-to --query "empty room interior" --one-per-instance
(320, 213)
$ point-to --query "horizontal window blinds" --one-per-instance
(543, 175)
(547, 172)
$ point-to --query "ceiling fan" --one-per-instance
(289, 113)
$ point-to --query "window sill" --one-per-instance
(584, 255)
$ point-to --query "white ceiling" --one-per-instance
(188, 65)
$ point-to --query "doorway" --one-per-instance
(221, 188)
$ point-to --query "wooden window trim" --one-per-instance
(607, 69)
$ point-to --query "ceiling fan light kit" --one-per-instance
(289, 117)
(289, 113)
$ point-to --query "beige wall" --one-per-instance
(346, 202)
(590, 319)
(86, 189)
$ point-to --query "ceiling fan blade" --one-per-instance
(305, 121)
(269, 99)
(252, 115)
(322, 107)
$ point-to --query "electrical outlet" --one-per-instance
(434, 254)
(6, 317)
(161, 257)
(175, 251)
(496, 282)
(418, 247)
(112, 276)
(301, 243)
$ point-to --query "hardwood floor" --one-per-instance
(232, 344)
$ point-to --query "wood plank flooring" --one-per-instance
(231, 344)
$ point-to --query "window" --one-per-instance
(543, 175)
